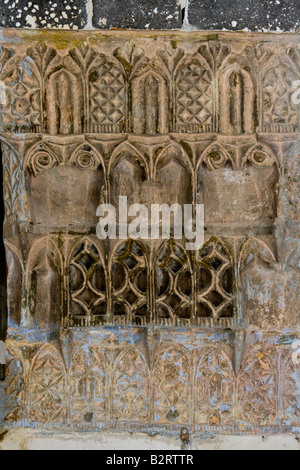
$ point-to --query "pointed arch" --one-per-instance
(43, 277)
(15, 271)
(176, 151)
(87, 284)
(45, 243)
(127, 170)
(172, 372)
(108, 99)
(88, 374)
(130, 281)
(64, 102)
(173, 171)
(215, 157)
(194, 111)
(257, 389)
(131, 397)
(150, 112)
(214, 388)
(127, 148)
(215, 281)
(279, 113)
(237, 97)
(255, 247)
(48, 400)
(173, 285)
(40, 158)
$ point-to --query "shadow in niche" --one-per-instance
(3, 294)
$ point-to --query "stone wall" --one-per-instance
(248, 15)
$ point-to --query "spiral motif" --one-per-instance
(216, 159)
(85, 160)
(260, 158)
(43, 161)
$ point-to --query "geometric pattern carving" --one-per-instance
(110, 384)
(88, 387)
(173, 280)
(257, 391)
(172, 387)
(87, 285)
(194, 99)
(48, 387)
(21, 110)
(131, 389)
(44, 90)
(214, 281)
(108, 100)
(215, 389)
(129, 278)
(280, 113)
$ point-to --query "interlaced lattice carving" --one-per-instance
(173, 281)
(214, 281)
(87, 285)
(129, 276)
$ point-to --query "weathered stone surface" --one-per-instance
(209, 339)
(157, 14)
(252, 15)
(115, 376)
(70, 14)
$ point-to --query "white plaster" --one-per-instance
(29, 439)
(89, 10)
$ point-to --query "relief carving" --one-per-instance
(48, 387)
(215, 389)
(87, 383)
(142, 334)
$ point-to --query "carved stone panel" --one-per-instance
(145, 334)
